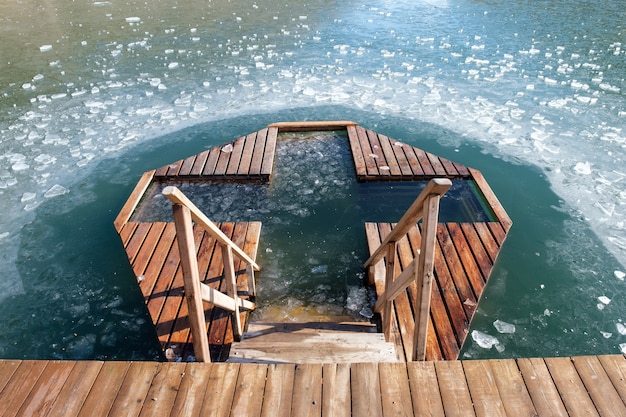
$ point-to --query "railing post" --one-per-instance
(424, 276)
(191, 279)
(231, 289)
(390, 273)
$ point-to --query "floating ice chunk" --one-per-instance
(172, 65)
(38, 77)
(583, 168)
(606, 335)
(547, 312)
(604, 300)
(227, 148)
(619, 275)
(55, 191)
(28, 197)
(621, 329)
(622, 347)
(504, 327)
(45, 48)
(484, 340)
(20, 166)
(27, 86)
(320, 269)
(366, 312)
(133, 19)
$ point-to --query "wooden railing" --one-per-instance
(197, 292)
(420, 270)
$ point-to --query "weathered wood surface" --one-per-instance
(324, 342)
(592, 385)
(153, 253)
(377, 157)
(248, 158)
(464, 256)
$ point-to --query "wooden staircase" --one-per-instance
(313, 342)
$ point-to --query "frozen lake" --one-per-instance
(92, 94)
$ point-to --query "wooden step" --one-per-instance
(314, 342)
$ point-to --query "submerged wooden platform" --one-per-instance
(577, 386)
(465, 257)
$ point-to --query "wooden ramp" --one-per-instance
(317, 342)
(578, 386)
(153, 254)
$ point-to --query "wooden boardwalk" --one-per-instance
(577, 386)
(465, 257)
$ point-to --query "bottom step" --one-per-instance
(312, 343)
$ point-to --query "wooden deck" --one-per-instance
(577, 386)
(466, 252)
(153, 253)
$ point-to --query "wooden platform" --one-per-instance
(578, 386)
(464, 256)
(467, 252)
(312, 342)
(153, 254)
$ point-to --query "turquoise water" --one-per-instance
(93, 94)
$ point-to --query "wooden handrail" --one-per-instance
(420, 271)
(436, 186)
(177, 197)
(196, 292)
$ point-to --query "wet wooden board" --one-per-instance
(521, 387)
(380, 158)
(152, 250)
(461, 269)
(248, 158)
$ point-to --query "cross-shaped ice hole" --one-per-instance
(313, 212)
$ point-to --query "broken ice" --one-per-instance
(486, 341)
(504, 327)
(619, 275)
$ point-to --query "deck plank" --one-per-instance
(148, 248)
(484, 262)
(403, 162)
(211, 162)
(190, 394)
(390, 156)
(395, 392)
(75, 389)
(14, 395)
(365, 388)
(222, 383)
(615, 367)
(258, 153)
(248, 398)
(187, 166)
(474, 274)
(368, 154)
(457, 274)
(336, 390)
(162, 393)
(246, 156)
(235, 157)
(47, 388)
(7, 368)
(198, 164)
(513, 392)
(425, 393)
(570, 387)
(424, 162)
(278, 390)
(599, 386)
(133, 391)
(455, 394)
(541, 387)
(483, 389)
(223, 159)
(270, 151)
(357, 153)
(307, 391)
(105, 389)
